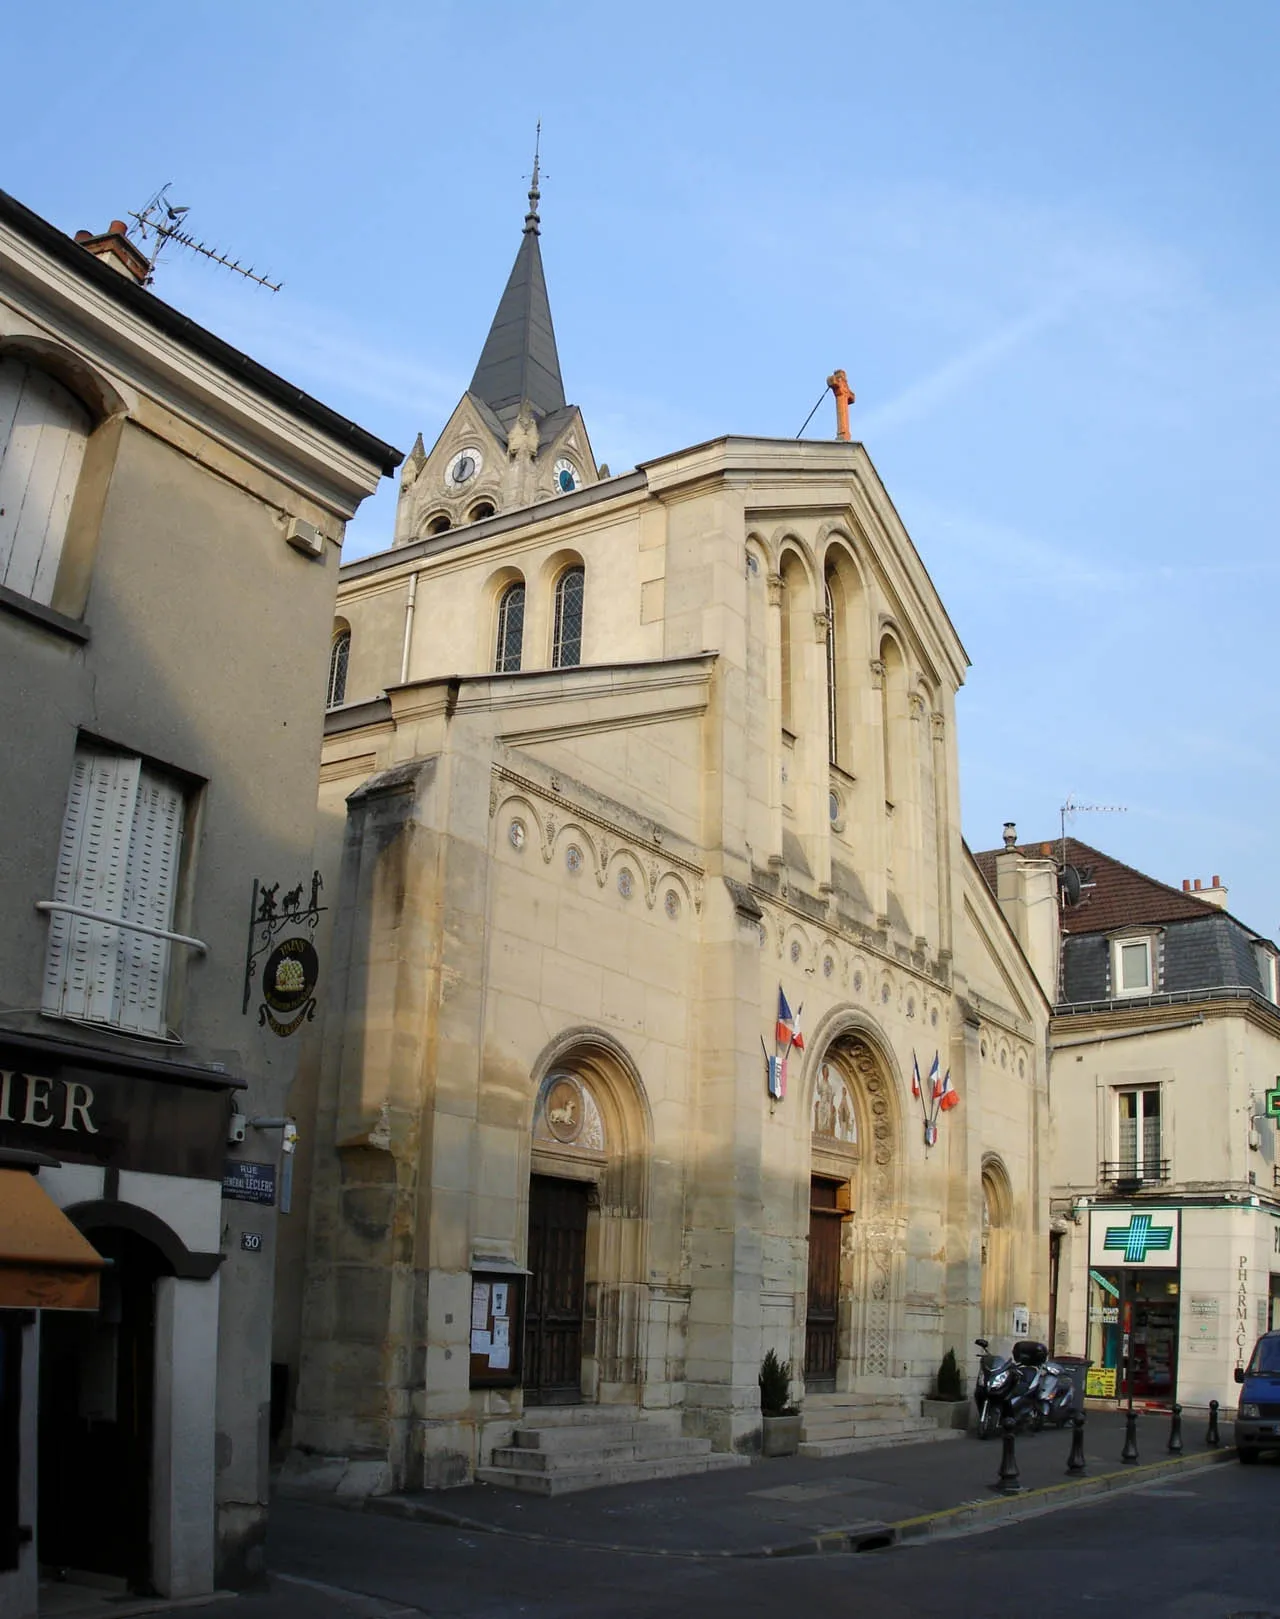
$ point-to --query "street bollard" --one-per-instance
(1075, 1461)
(1212, 1438)
(1175, 1431)
(1007, 1478)
(1130, 1451)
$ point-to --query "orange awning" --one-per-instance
(45, 1263)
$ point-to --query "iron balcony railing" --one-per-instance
(1133, 1177)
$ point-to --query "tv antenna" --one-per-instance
(163, 221)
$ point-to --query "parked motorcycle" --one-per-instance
(1057, 1395)
(1011, 1387)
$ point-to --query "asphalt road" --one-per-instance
(1202, 1547)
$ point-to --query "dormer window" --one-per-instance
(1132, 967)
(1266, 960)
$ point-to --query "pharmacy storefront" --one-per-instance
(1176, 1297)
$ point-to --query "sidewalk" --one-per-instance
(792, 1506)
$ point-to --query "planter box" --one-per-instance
(947, 1413)
(781, 1435)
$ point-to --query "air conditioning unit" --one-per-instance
(304, 537)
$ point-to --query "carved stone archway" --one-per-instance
(591, 1125)
(851, 1071)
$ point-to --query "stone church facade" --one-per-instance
(608, 769)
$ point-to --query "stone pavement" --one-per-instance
(797, 1506)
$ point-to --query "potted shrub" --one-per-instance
(947, 1405)
(780, 1419)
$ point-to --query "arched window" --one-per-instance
(833, 722)
(481, 510)
(506, 657)
(339, 657)
(439, 524)
(566, 645)
(43, 432)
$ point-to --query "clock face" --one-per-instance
(566, 475)
(464, 466)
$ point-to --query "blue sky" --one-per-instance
(1042, 240)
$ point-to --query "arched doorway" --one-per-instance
(588, 1191)
(97, 1384)
(997, 1230)
(852, 1217)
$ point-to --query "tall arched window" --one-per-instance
(339, 657)
(833, 721)
(510, 644)
(566, 645)
(43, 432)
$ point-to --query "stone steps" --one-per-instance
(843, 1424)
(569, 1448)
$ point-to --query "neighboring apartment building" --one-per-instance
(170, 521)
(612, 764)
(1166, 1040)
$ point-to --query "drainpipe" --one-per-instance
(408, 627)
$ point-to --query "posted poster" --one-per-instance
(499, 1300)
(500, 1352)
(479, 1308)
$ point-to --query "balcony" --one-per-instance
(1126, 1178)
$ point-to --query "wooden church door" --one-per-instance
(557, 1287)
(821, 1310)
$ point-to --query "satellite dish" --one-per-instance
(1069, 885)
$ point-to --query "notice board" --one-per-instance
(496, 1328)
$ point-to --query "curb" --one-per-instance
(972, 1517)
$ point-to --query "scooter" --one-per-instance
(1009, 1387)
(1057, 1394)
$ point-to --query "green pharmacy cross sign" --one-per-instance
(1139, 1238)
(1273, 1101)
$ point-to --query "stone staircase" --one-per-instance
(556, 1449)
(842, 1424)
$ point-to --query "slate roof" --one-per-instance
(519, 359)
(1198, 946)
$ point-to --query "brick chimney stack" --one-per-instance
(113, 247)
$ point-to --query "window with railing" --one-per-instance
(115, 894)
(1139, 1138)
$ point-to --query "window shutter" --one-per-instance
(82, 975)
(43, 429)
(155, 843)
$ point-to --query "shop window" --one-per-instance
(1131, 967)
(115, 894)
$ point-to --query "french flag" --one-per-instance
(915, 1075)
(948, 1095)
(935, 1079)
(788, 1030)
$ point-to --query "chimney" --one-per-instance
(1217, 895)
(113, 247)
(1186, 885)
(1027, 893)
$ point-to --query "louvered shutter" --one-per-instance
(82, 975)
(155, 844)
(43, 430)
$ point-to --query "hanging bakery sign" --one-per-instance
(281, 931)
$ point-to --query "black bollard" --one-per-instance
(1212, 1438)
(1075, 1461)
(1175, 1431)
(1007, 1479)
(1130, 1451)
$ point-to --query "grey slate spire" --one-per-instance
(519, 359)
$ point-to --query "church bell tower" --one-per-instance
(512, 441)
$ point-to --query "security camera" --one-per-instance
(236, 1129)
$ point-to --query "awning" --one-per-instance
(45, 1263)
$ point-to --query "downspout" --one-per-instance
(409, 606)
